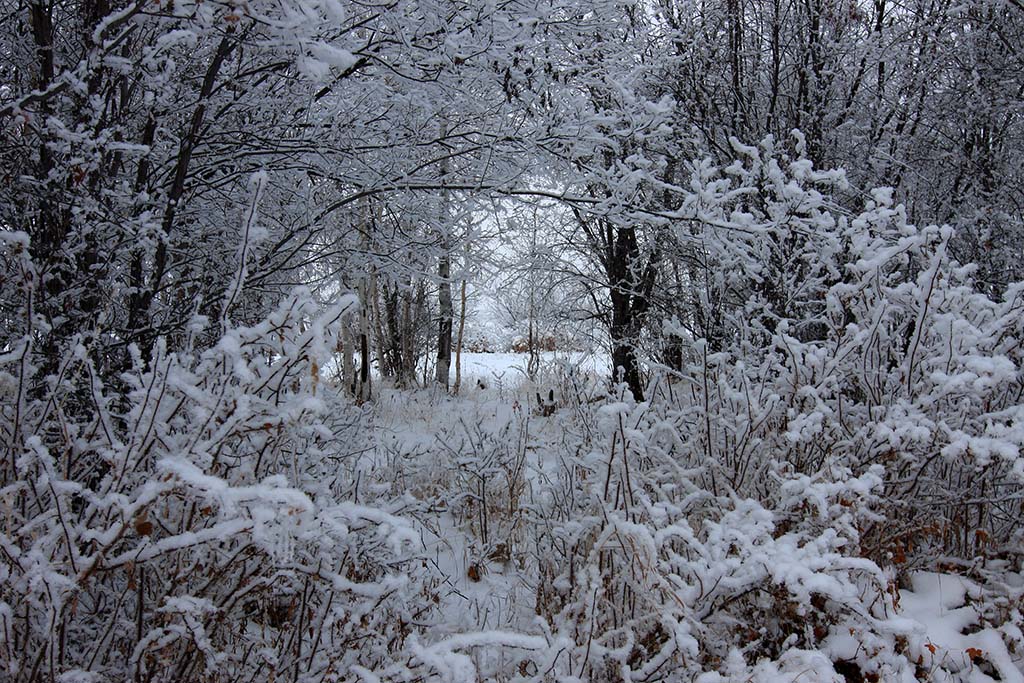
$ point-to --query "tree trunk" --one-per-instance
(363, 380)
(410, 324)
(735, 13)
(444, 328)
(444, 289)
(348, 375)
(458, 340)
(625, 366)
(631, 283)
(365, 292)
(533, 360)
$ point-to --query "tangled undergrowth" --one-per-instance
(781, 508)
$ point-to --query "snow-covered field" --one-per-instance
(508, 370)
(511, 366)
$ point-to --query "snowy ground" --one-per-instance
(507, 366)
(483, 587)
(952, 632)
(506, 371)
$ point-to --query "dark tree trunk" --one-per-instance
(444, 325)
(631, 278)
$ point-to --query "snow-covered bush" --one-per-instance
(762, 515)
(486, 458)
(651, 573)
(196, 522)
(848, 340)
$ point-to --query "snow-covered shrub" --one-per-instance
(848, 340)
(485, 480)
(652, 573)
(196, 522)
(930, 373)
(908, 390)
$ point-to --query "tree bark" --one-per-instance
(363, 389)
(631, 283)
(445, 319)
(348, 373)
(458, 341)
(444, 289)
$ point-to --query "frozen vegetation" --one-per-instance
(540, 341)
